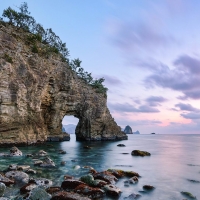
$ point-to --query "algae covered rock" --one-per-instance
(140, 153)
(2, 189)
(188, 195)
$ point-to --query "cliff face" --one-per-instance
(37, 91)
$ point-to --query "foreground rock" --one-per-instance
(18, 176)
(33, 99)
(112, 190)
(105, 176)
(140, 153)
(39, 194)
(5, 180)
(71, 184)
(68, 196)
(120, 173)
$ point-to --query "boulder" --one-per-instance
(6, 180)
(42, 153)
(14, 151)
(18, 176)
(120, 173)
(148, 187)
(93, 193)
(68, 196)
(47, 163)
(27, 188)
(140, 153)
(41, 182)
(112, 190)
(121, 145)
(71, 184)
(105, 176)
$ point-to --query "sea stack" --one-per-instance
(128, 130)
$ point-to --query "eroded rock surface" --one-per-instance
(37, 90)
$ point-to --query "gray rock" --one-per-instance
(39, 194)
(18, 176)
(14, 151)
(48, 163)
(128, 130)
(2, 189)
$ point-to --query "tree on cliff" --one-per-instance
(53, 43)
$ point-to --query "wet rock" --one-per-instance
(27, 188)
(41, 182)
(18, 176)
(105, 176)
(62, 152)
(30, 171)
(42, 153)
(14, 151)
(188, 195)
(92, 193)
(23, 167)
(74, 160)
(99, 183)
(133, 180)
(12, 167)
(2, 189)
(140, 153)
(71, 184)
(48, 163)
(63, 163)
(38, 162)
(53, 190)
(6, 180)
(88, 179)
(148, 187)
(112, 190)
(121, 145)
(4, 198)
(120, 173)
(68, 196)
(133, 196)
(68, 177)
(38, 193)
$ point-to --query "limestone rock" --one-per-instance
(38, 90)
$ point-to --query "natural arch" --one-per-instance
(69, 124)
(37, 90)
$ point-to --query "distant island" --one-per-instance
(152, 133)
(69, 128)
(128, 130)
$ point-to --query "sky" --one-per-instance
(147, 51)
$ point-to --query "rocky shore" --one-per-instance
(92, 185)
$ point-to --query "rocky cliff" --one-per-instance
(37, 90)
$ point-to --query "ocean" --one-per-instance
(174, 164)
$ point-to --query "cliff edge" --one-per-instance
(38, 89)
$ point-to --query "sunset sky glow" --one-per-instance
(148, 52)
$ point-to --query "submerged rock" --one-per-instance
(39, 194)
(121, 145)
(140, 153)
(47, 163)
(133, 196)
(53, 190)
(2, 189)
(188, 195)
(42, 153)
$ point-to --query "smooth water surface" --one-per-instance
(174, 160)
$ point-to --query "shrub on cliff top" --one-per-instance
(22, 19)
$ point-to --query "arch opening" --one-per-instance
(69, 124)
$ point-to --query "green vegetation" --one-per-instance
(188, 195)
(52, 43)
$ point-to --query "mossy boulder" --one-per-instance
(188, 195)
(140, 153)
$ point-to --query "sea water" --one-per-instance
(174, 161)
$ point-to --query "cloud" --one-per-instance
(131, 36)
(155, 100)
(186, 107)
(126, 107)
(191, 115)
(184, 77)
